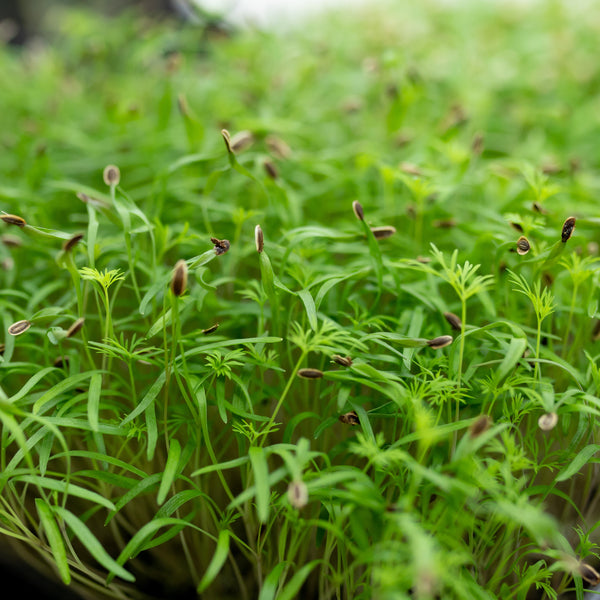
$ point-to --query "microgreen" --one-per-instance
(344, 348)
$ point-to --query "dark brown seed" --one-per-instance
(477, 144)
(345, 361)
(537, 207)
(517, 226)
(111, 175)
(440, 342)
(19, 327)
(179, 279)
(61, 362)
(551, 168)
(454, 321)
(523, 245)
(574, 165)
(402, 139)
(383, 232)
(479, 426)
(298, 494)
(358, 210)
(596, 332)
(548, 421)
(2, 348)
(350, 418)
(547, 279)
(278, 147)
(241, 140)
(227, 140)
(13, 220)
(11, 241)
(259, 239)
(270, 169)
(75, 328)
(567, 229)
(352, 105)
(221, 246)
(173, 62)
(310, 373)
(444, 223)
(588, 573)
(211, 329)
(410, 169)
(72, 242)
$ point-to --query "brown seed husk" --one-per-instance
(227, 140)
(210, 329)
(350, 418)
(596, 332)
(548, 421)
(19, 327)
(270, 169)
(310, 373)
(410, 169)
(13, 220)
(589, 574)
(221, 246)
(72, 242)
(179, 279)
(481, 425)
(75, 328)
(111, 175)
(259, 239)
(567, 229)
(358, 210)
(241, 141)
(344, 361)
(517, 226)
(61, 362)
(11, 241)
(278, 147)
(454, 321)
(383, 232)
(523, 245)
(440, 342)
(298, 494)
(537, 207)
(444, 223)
(477, 144)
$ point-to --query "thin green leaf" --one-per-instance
(93, 404)
(291, 589)
(170, 471)
(91, 543)
(66, 488)
(261, 481)
(309, 305)
(217, 561)
(578, 462)
(55, 540)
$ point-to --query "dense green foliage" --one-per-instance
(148, 454)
